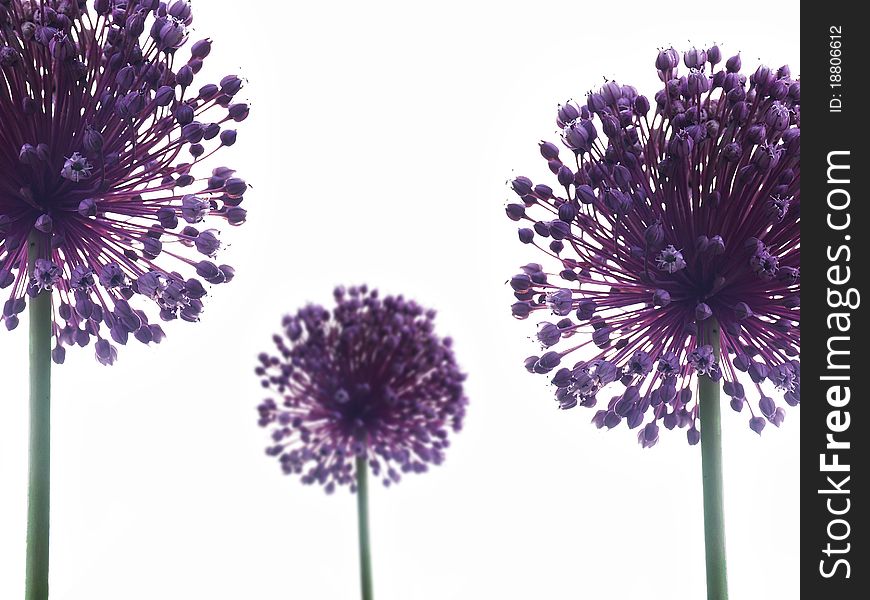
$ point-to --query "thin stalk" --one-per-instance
(711, 469)
(36, 582)
(362, 503)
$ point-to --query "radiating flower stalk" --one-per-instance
(101, 142)
(676, 243)
(366, 387)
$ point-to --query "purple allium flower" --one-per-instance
(662, 224)
(102, 140)
(370, 379)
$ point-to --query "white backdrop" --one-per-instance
(380, 141)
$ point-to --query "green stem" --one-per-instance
(711, 468)
(365, 551)
(36, 586)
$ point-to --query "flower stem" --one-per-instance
(36, 582)
(362, 503)
(711, 469)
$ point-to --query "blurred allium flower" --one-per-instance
(666, 220)
(369, 379)
(102, 137)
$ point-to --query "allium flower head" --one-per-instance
(668, 216)
(100, 150)
(371, 378)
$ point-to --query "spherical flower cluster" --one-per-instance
(100, 150)
(671, 219)
(370, 379)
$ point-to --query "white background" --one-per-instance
(380, 142)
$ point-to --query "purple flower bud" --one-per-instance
(184, 114)
(733, 64)
(228, 137)
(767, 407)
(207, 243)
(544, 192)
(697, 83)
(763, 77)
(106, 353)
(560, 302)
(125, 78)
(167, 217)
(565, 176)
(548, 361)
(230, 85)
(181, 10)
(526, 235)
(777, 116)
(714, 55)
(585, 194)
(112, 276)
(548, 334)
(194, 209)
(235, 187)
(522, 186)
(184, 77)
(193, 132)
(649, 435)
(28, 155)
(566, 115)
(757, 424)
(171, 36)
(88, 207)
(594, 102)
(611, 92)
(194, 289)
(567, 212)
(238, 112)
(576, 138)
(667, 59)
(731, 152)
(236, 215)
(228, 273)
(641, 105)
(610, 126)
(549, 150)
(151, 247)
(520, 310)
(654, 236)
(61, 46)
(6, 278)
(694, 58)
(515, 212)
(617, 201)
(791, 138)
(208, 91)
(93, 142)
(681, 144)
(209, 271)
(201, 49)
(601, 337)
(661, 298)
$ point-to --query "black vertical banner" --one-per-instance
(834, 417)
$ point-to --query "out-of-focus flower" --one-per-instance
(662, 223)
(371, 379)
(101, 148)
